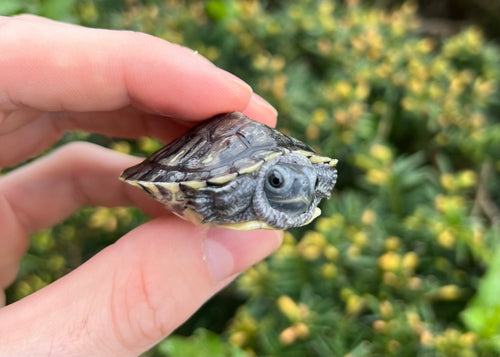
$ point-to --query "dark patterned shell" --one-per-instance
(224, 145)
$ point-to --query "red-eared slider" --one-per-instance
(234, 172)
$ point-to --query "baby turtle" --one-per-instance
(237, 173)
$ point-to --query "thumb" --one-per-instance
(133, 293)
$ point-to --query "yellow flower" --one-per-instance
(386, 309)
(426, 338)
(312, 131)
(121, 146)
(389, 261)
(410, 261)
(309, 252)
(362, 90)
(343, 89)
(301, 330)
(353, 251)
(360, 239)
(467, 178)
(449, 292)
(392, 243)
(426, 45)
(238, 338)
(104, 219)
(297, 331)
(279, 85)
(416, 85)
(277, 63)
(378, 176)
(369, 217)
(414, 321)
(288, 307)
(380, 326)
(329, 271)
(448, 182)
(324, 46)
(354, 305)
(288, 239)
(449, 204)
(469, 338)
(415, 283)
(341, 116)
(446, 239)
(56, 263)
(331, 252)
(381, 152)
(393, 346)
(311, 245)
(288, 336)
(435, 91)
(319, 116)
(314, 238)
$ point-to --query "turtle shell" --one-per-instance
(220, 147)
(214, 174)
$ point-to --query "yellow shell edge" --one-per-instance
(252, 168)
(246, 226)
(194, 184)
(223, 179)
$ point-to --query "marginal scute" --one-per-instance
(194, 184)
(316, 159)
(268, 155)
(247, 226)
(219, 180)
(219, 171)
(250, 169)
(303, 152)
(173, 187)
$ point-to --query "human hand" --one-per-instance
(57, 77)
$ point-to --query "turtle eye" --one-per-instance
(275, 179)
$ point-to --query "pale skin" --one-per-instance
(57, 77)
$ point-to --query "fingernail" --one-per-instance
(228, 251)
(219, 259)
(261, 102)
(236, 80)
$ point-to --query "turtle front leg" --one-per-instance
(223, 204)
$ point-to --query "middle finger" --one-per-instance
(48, 128)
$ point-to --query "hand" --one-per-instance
(56, 77)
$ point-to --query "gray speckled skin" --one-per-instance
(230, 144)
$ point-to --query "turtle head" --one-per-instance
(289, 187)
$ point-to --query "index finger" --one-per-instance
(49, 66)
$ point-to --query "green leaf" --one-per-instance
(10, 7)
(202, 343)
(57, 9)
(482, 315)
(216, 9)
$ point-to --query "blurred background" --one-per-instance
(405, 259)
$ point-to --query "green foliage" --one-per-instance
(54, 9)
(201, 343)
(395, 265)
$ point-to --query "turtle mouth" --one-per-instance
(295, 205)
